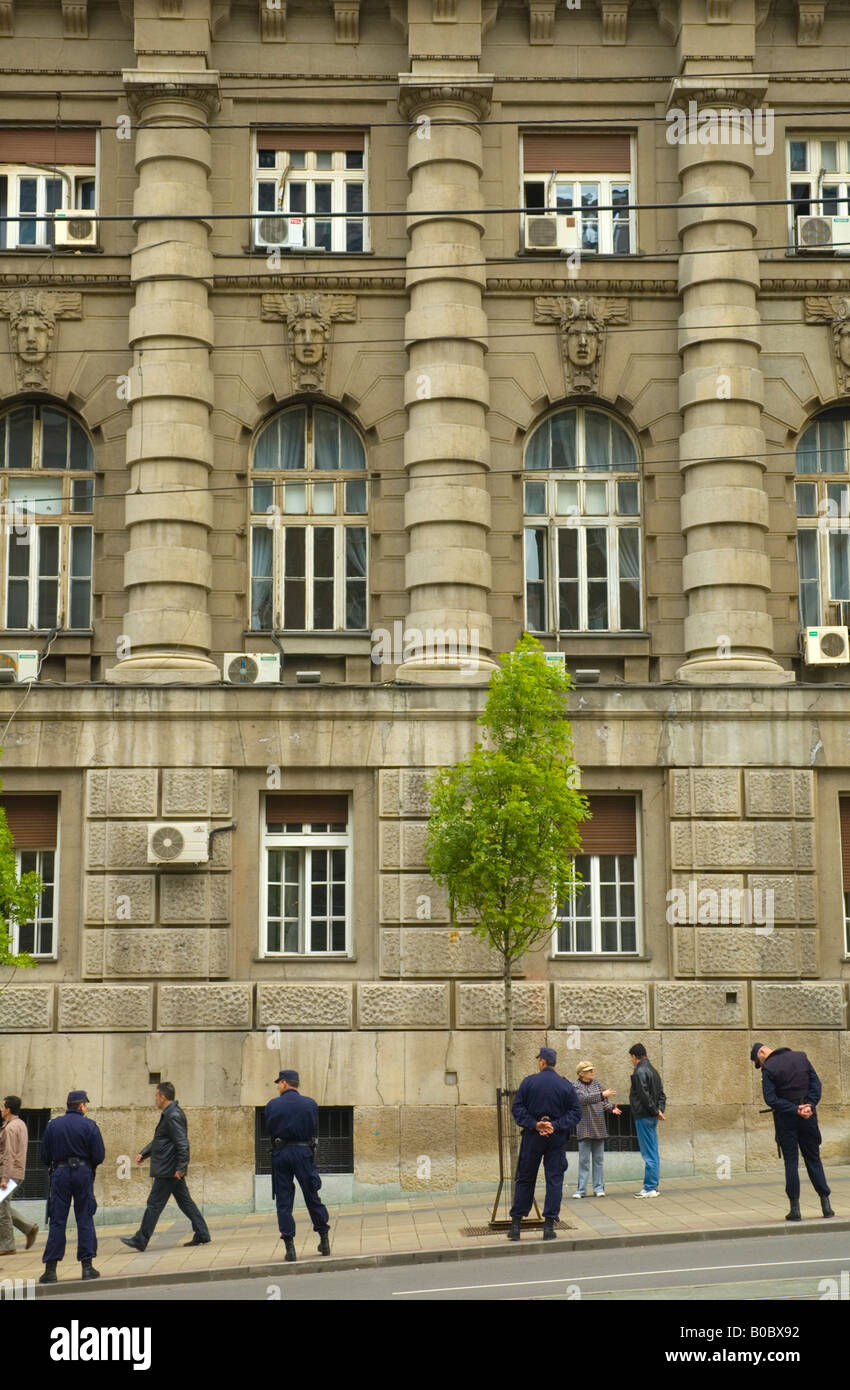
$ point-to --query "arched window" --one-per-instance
(582, 525)
(46, 486)
(309, 553)
(823, 519)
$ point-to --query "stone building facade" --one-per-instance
(299, 375)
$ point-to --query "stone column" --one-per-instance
(726, 571)
(446, 446)
(169, 511)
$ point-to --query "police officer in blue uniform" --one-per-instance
(292, 1120)
(72, 1147)
(792, 1089)
(546, 1107)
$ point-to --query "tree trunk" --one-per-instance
(510, 1075)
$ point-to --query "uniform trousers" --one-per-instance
(292, 1164)
(67, 1185)
(550, 1149)
(795, 1136)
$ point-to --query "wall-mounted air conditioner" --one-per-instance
(252, 668)
(18, 666)
(273, 229)
(184, 842)
(823, 236)
(826, 646)
(75, 227)
(551, 231)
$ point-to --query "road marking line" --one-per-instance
(633, 1274)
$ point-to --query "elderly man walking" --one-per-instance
(13, 1164)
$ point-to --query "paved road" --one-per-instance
(776, 1267)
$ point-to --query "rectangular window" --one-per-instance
(587, 179)
(43, 170)
(844, 814)
(583, 573)
(819, 186)
(310, 578)
(335, 1147)
(602, 918)
(48, 575)
(33, 822)
(317, 177)
(306, 893)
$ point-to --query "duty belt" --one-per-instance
(286, 1143)
(73, 1162)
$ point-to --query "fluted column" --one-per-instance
(726, 570)
(169, 509)
(446, 446)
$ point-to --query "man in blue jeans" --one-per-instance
(647, 1103)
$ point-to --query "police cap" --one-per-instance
(291, 1076)
(74, 1097)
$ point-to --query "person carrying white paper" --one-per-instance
(13, 1163)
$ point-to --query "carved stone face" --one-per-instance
(33, 337)
(309, 339)
(582, 343)
(844, 344)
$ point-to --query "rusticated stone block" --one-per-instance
(483, 1006)
(196, 1007)
(769, 792)
(105, 1008)
(376, 1152)
(26, 1009)
(403, 1006)
(680, 792)
(744, 951)
(130, 898)
(390, 950)
(131, 791)
(445, 951)
(422, 900)
(96, 792)
(716, 791)
(413, 837)
(806, 900)
(414, 799)
(477, 1143)
(390, 897)
(193, 898)
(744, 844)
(93, 954)
(721, 1005)
(152, 951)
(681, 845)
(196, 793)
(95, 897)
(219, 952)
(774, 896)
(804, 792)
(221, 854)
(808, 952)
(427, 1147)
(96, 846)
(601, 1006)
(799, 1006)
(304, 1006)
(127, 845)
(388, 792)
(804, 846)
(684, 945)
(390, 843)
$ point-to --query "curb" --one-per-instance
(421, 1257)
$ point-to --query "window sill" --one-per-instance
(596, 643)
(289, 252)
(594, 956)
(317, 643)
(306, 956)
(64, 251)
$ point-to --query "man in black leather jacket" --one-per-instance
(169, 1155)
(647, 1103)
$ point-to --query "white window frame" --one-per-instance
(817, 177)
(831, 519)
(338, 176)
(605, 220)
(39, 919)
(304, 843)
(71, 179)
(30, 537)
(596, 909)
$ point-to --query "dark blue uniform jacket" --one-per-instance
(547, 1093)
(292, 1116)
(72, 1135)
(788, 1079)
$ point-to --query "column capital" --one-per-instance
(419, 90)
(744, 93)
(142, 88)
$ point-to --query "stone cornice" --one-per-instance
(143, 88)
(506, 285)
(706, 91)
(419, 91)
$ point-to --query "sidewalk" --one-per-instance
(701, 1206)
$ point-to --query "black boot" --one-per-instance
(324, 1244)
(49, 1275)
(513, 1233)
(825, 1207)
(89, 1271)
(548, 1228)
(289, 1242)
(794, 1213)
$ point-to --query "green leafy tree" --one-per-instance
(504, 824)
(19, 898)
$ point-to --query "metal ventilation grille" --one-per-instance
(167, 842)
(243, 670)
(274, 229)
(833, 644)
(816, 231)
(80, 229)
(542, 231)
